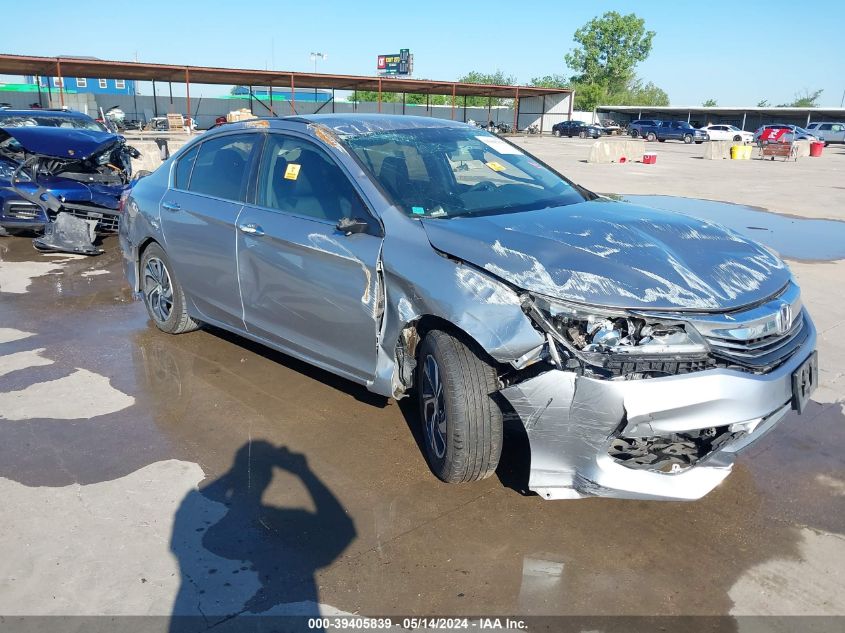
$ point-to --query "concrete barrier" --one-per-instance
(612, 150)
(716, 150)
(152, 155)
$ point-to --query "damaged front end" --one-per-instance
(54, 172)
(647, 405)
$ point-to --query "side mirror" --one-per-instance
(348, 226)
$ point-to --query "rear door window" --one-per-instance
(182, 173)
(222, 166)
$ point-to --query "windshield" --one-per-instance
(46, 120)
(454, 171)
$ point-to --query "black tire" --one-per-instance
(163, 295)
(582, 134)
(699, 142)
(634, 134)
(462, 424)
(737, 138)
(651, 136)
(688, 138)
(661, 140)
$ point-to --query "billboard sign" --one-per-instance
(401, 63)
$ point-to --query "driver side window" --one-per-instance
(300, 178)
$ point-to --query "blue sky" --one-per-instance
(716, 49)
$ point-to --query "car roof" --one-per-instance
(71, 114)
(343, 124)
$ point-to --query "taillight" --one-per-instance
(124, 196)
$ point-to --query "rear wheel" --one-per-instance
(687, 138)
(163, 296)
(634, 134)
(555, 132)
(651, 136)
(462, 424)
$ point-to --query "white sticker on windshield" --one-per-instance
(498, 144)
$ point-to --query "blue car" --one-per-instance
(55, 161)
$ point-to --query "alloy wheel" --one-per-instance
(158, 289)
(434, 407)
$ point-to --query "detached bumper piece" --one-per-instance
(69, 234)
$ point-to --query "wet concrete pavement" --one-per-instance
(202, 474)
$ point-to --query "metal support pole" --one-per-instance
(743, 121)
(543, 116)
(188, 99)
(49, 93)
(61, 82)
(428, 104)
(379, 94)
(571, 103)
(809, 116)
(403, 103)
(465, 108)
(689, 116)
(489, 106)
(454, 89)
(516, 111)
(38, 82)
(249, 88)
(170, 90)
(292, 95)
(155, 101)
(270, 96)
(332, 100)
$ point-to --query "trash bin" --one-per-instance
(649, 158)
(736, 152)
(816, 148)
(746, 151)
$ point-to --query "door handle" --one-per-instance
(251, 228)
(171, 206)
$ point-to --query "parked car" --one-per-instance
(672, 130)
(721, 132)
(828, 132)
(793, 133)
(635, 127)
(56, 161)
(422, 257)
(577, 128)
(611, 127)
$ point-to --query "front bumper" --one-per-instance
(571, 422)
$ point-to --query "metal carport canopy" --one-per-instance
(107, 69)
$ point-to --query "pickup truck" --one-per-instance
(675, 130)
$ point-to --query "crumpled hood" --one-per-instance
(615, 254)
(69, 190)
(60, 142)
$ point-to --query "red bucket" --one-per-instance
(649, 159)
(816, 148)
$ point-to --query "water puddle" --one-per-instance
(793, 238)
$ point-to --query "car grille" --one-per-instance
(21, 210)
(108, 220)
(765, 350)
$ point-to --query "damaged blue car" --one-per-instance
(54, 163)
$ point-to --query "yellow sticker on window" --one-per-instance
(495, 166)
(292, 171)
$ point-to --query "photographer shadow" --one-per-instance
(255, 557)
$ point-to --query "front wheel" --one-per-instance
(163, 295)
(651, 136)
(737, 138)
(687, 138)
(462, 424)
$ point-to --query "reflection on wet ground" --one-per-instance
(315, 491)
(793, 237)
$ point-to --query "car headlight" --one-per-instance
(590, 330)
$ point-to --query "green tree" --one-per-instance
(497, 78)
(609, 48)
(710, 103)
(550, 81)
(763, 103)
(807, 100)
